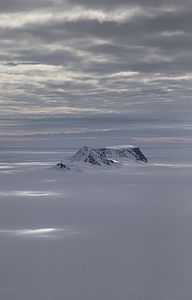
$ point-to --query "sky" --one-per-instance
(91, 58)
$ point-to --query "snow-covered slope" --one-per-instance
(122, 153)
(92, 156)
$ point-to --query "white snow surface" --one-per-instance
(104, 234)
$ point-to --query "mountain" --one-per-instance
(101, 157)
(130, 152)
(91, 156)
(62, 166)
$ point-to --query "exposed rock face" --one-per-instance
(89, 155)
(139, 155)
(121, 153)
(63, 166)
(108, 156)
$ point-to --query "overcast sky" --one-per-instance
(92, 57)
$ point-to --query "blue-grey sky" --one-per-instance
(90, 57)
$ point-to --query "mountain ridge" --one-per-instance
(105, 156)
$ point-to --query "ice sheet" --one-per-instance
(121, 233)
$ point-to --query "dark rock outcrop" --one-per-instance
(63, 166)
(121, 153)
(89, 155)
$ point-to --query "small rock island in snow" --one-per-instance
(102, 157)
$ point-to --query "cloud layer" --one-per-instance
(84, 56)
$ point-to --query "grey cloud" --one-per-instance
(171, 21)
(111, 3)
(54, 57)
(12, 6)
(26, 5)
(156, 46)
